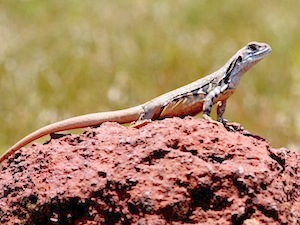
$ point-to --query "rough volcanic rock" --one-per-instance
(174, 171)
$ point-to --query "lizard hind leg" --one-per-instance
(149, 113)
(140, 123)
(208, 103)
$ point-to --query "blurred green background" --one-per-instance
(59, 59)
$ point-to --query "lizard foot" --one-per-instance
(140, 123)
(233, 127)
(208, 118)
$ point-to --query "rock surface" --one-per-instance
(174, 171)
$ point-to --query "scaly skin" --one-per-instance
(190, 99)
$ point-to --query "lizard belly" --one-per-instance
(189, 105)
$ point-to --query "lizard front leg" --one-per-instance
(149, 113)
(229, 126)
(220, 111)
(209, 101)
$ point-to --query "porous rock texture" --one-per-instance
(173, 171)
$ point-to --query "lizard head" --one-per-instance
(247, 57)
(243, 60)
(253, 53)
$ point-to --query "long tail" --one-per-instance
(94, 119)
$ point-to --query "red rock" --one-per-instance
(179, 171)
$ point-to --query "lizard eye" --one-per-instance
(252, 47)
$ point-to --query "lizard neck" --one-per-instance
(235, 79)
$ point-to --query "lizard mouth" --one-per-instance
(268, 49)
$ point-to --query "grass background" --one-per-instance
(60, 59)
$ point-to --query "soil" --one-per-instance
(173, 171)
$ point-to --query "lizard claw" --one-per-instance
(223, 121)
(230, 126)
(208, 118)
(234, 127)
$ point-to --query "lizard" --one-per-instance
(191, 99)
